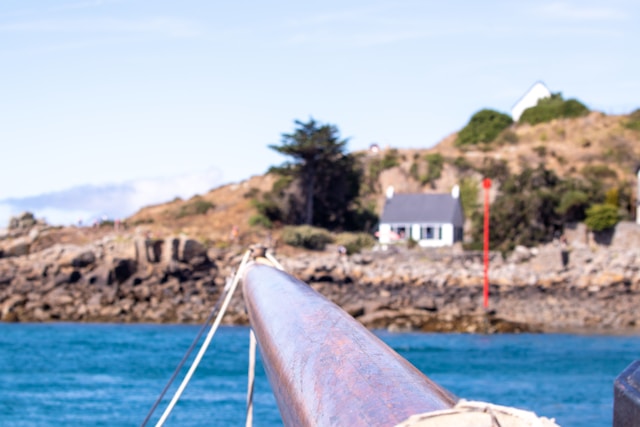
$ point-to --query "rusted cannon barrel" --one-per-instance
(325, 368)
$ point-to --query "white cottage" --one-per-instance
(530, 99)
(432, 220)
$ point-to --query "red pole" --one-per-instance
(486, 183)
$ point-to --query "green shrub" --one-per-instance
(143, 221)
(435, 163)
(355, 242)
(634, 120)
(572, 205)
(306, 236)
(553, 107)
(260, 220)
(251, 194)
(601, 217)
(462, 164)
(469, 190)
(281, 184)
(195, 206)
(362, 216)
(540, 150)
(388, 161)
(413, 171)
(268, 208)
(598, 172)
(612, 197)
(484, 127)
(523, 213)
(497, 169)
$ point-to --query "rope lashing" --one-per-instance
(478, 414)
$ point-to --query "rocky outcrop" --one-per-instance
(135, 278)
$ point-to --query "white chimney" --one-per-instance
(390, 192)
(455, 191)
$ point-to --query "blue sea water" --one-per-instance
(105, 374)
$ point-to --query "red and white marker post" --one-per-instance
(486, 183)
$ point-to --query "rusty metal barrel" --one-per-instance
(324, 367)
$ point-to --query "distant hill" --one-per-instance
(597, 146)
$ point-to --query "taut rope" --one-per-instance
(207, 341)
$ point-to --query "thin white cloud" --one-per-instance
(580, 12)
(84, 4)
(355, 39)
(113, 201)
(171, 27)
(346, 16)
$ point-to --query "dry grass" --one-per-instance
(569, 146)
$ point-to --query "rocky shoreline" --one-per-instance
(129, 277)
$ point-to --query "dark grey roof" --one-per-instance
(421, 208)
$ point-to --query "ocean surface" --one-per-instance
(69, 374)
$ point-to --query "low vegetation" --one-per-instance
(554, 107)
(195, 206)
(355, 242)
(306, 236)
(531, 206)
(602, 216)
(634, 120)
(483, 128)
(435, 163)
(390, 159)
(534, 205)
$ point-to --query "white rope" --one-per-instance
(274, 261)
(478, 414)
(252, 376)
(206, 342)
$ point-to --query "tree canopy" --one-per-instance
(327, 178)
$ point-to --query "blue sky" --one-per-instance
(106, 106)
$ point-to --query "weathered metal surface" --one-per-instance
(325, 368)
(626, 397)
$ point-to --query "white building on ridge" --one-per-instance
(530, 99)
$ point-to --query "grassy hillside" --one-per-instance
(595, 148)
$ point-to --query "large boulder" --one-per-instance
(23, 221)
(83, 259)
(184, 250)
(122, 270)
(16, 248)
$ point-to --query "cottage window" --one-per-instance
(400, 232)
(431, 233)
